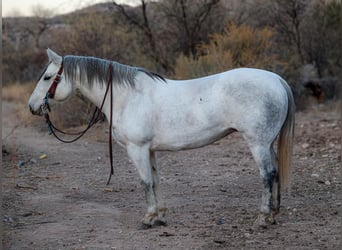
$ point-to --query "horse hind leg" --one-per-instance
(276, 196)
(270, 200)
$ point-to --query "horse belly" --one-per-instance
(187, 141)
(189, 132)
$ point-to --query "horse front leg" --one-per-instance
(161, 209)
(140, 155)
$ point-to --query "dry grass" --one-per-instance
(73, 112)
(19, 94)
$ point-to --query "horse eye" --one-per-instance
(47, 78)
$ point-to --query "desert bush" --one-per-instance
(103, 36)
(237, 46)
(21, 65)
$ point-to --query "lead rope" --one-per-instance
(110, 128)
(95, 118)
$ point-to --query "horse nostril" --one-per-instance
(31, 109)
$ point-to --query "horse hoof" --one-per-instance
(156, 223)
(150, 218)
(264, 220)
(144, 226)
(162, 213)
(159, 223)
(275, 211)
(154, 219)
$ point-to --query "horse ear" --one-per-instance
(54, 57)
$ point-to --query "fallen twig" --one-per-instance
(25, 187)
(46, 177)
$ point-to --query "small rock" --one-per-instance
(166, 234)
(111, 189)
(327, 182)
(33, 161)
(219, 241)
(315, 175)
(247, 235)
(7, 218)
(220, 221)
(20, 164)
(305, 145)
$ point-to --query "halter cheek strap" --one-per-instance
(51, 92)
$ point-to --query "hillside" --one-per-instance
(166, 36)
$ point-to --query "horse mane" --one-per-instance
(88, 69)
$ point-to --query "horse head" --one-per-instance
(51, 84)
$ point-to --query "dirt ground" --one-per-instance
(213, 193)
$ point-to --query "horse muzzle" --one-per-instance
(42, 110)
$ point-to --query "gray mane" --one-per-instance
(89, 69)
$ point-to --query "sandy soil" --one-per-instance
(213, 193)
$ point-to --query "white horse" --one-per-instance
(152, 114)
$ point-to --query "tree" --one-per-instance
(288, 16)
(39, 24)
(143, 24)
(322, 32)
(89, 35)
(178, 26)
(189, 20)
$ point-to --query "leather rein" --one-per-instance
(94, 119)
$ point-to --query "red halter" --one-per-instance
(52, 89)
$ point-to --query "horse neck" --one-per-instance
(94, 93)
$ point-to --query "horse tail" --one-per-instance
(285, 141)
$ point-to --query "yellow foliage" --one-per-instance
(237, 46)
